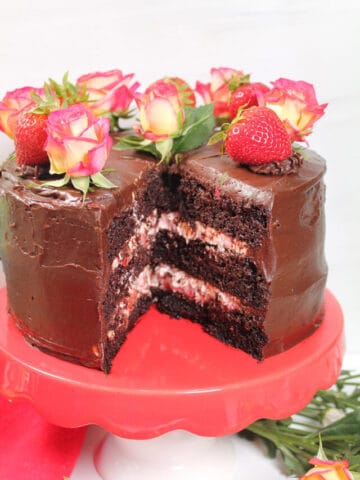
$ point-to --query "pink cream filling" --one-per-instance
(146, 231)
(172, 279)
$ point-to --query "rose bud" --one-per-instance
(78, 143)
(328, 470)
(224, 81)
(13, 104)
(161, 112)
(185, 92)
(295, 104)
(109, 91)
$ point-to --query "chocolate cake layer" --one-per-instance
(236, 274)
(233, 327)
(241, 219)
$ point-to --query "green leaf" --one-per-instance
(217, 137)
(271, 448)
(82, 184)
(61, 182)
(320, 453)
(126, 115)
(164, 148)
(236, 80)
(348, 425)
(292, 462)
(11, 157)
(129, 142)
(133, 142)
(99, 180)
(297, 147)
(68, 92)
(199, 125)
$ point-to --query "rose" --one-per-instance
(108, 91)
(328, 470)
(185, 92)
(224, 81)
(13, 104)
(161, 112)
(78, 143)
(295, 104)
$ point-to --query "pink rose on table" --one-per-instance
(109, 91)
(328, 470)
(224, 81)
(78, 143)
(295, 104)
(13, 104)
(161, 112)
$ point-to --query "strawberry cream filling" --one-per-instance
(146, 231)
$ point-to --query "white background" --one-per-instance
(313, 40)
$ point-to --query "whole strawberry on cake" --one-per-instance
(221, 225)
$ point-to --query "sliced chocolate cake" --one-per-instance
(254, 243)
(239, 252)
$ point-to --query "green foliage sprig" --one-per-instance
(332, 417)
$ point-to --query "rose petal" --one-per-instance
(101, 88)
(203, 89)
(161, 117)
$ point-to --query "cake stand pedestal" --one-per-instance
(171, 378)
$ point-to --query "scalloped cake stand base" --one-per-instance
(171, 376)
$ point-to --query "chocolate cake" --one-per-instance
(237, 251)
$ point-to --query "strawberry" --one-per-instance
(246, 96)
(30, 136)
(259, 136)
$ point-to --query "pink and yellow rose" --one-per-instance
(185, 92)
(328, 470)
(224, 81)
(295, 104)
(78, 143)
(13, 104)
(161, 112)
(109, 91)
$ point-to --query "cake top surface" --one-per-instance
(125, 170)
(212, 167)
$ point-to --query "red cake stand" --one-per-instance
(171, 378)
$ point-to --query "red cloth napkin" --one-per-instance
(31, 448)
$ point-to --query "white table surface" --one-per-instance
(313, 40)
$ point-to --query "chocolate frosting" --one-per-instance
(284, 167)
(54, 247)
